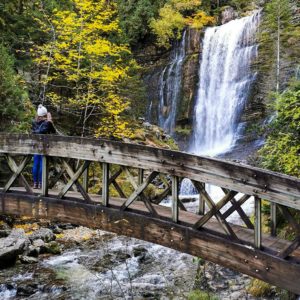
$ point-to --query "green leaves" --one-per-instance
(282, 149)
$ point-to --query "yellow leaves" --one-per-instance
(85, 66)
(200, 19)
(171, 20)
(165, 26)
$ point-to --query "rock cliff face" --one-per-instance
(153, 68)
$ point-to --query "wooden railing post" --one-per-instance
(45, 175)
(175, 194)
(273, 209)
(201, 209)
(85, 181)
(105, 183)
(141, 176)
(257, 225)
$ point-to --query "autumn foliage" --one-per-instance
(84, 63)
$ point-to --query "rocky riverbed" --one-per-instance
(61, 261)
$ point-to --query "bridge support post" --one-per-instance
(85, 181)
(201, 210)
(273, 209)
(257, 225)
(175, 198)
(141, 176)
(105, 183)
(45, 174)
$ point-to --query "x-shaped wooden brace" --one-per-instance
(139, 191)
(215, 210)
(296, 243)
(74, 180)
(112, 180)
(236, 206)
(168, 190)
(17, 170)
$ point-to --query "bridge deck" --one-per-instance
(270, 244)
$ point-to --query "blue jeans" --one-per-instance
(37, 168)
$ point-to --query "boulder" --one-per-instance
(12, 246)
(28, 259)
(53, 248)
(44, 234)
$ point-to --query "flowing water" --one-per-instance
(170, 87)
(225, 80)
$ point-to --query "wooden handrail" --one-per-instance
(272, 186)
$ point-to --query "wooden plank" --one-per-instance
(17, 173)
(45, 175)
(288, 216)
(239, 210)
(142, 197)
(85, 180)
(273, 218)
(201, 207)
(112, 178)
(141, 176)
(139, 190)
(215, 208)
(257, 222)
(224, 224)
(290, 248)
(234, 206)
(105, 184)
(175, 198)
(268, 185)
(74, 177)
(162, 195)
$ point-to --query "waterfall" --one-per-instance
(224, 82)
(170, 87)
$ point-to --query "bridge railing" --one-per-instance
(143, 165)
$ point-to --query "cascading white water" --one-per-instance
(225, 79)
(224, 82)
(170, 87)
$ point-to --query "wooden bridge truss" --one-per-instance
(206, 233)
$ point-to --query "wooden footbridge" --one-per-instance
(205, 232)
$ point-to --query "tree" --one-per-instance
(281, 152)
(174, 16)
(85, 63)
(276, 29)
(15, 108)
(135, 16)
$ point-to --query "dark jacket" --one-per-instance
(42, 127)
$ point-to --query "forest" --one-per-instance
(84, 60)
(219, 78)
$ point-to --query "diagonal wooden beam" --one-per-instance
(289, 217)
(112, 180)
(214, 208)
(237, 207)
(290, 249)
(224, 224)
(157, 199)
(17, 173)
(74, 179)
(146, 201)
(139, 190)
(60, 172)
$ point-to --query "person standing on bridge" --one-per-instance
(41, 125)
